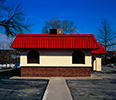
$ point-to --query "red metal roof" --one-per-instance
(99, 51)
(58, 41)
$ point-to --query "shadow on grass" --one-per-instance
(12, 72)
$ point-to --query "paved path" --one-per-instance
(93, 77)
(3, 70)
(57, 90)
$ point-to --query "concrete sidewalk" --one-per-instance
(57, 89)
(93, 77)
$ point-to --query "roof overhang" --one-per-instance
(101, 50)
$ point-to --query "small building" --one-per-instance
(51, 55)
(96, 58)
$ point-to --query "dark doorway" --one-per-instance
(93, 59)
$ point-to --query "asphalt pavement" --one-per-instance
(104, 89)
(23, 89)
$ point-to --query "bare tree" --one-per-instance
(13, 19)
(105, 34)
(68, 27)
(6, 56)
(7, 53)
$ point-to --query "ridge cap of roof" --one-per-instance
(55, 34)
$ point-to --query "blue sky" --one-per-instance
(86, 14)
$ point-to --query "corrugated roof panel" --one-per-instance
(80, 39)
(35, 42)
(20, 39)
(23, 42)
(86, 41)
(47, 42)
(64, 42)
(33, 46)
(39, 42)
(83, 42)
(77, 42)
(55, 41)
(44, 39)
(58, 42)
(90, 42)
(28, 40)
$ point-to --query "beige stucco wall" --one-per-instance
(49, 58)
(98, 64)
(23, 60)
(94, 65)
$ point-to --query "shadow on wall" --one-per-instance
(13, 72)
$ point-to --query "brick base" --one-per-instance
(55, 72)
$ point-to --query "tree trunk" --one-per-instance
(105, 59)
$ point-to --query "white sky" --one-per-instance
(5, 41)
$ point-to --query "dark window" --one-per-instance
(32, 57)
(78, 57)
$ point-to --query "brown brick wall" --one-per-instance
(55, 72)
